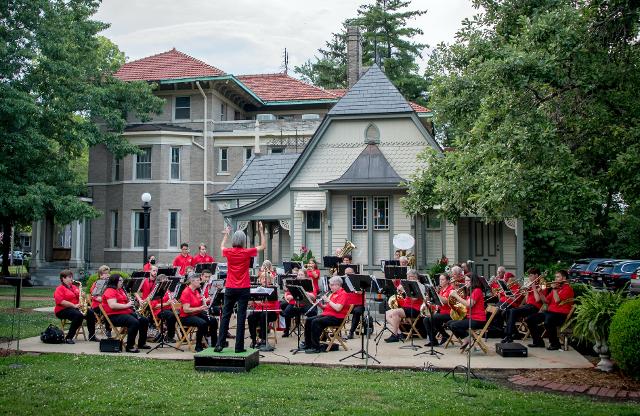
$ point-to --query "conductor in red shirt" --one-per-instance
(183, 259)
(237, 286)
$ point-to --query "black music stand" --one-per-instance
(331, 261)
(432, 294)
(265, 293)
(306, 284)
(395, 272)
(300, 296)
(388, 289)
(342, 267)
(361, 282)
(412, 290)
(140, 274)
(289, 265)
(132, 285)
(167, 271)
(162, 289)
(206, 266)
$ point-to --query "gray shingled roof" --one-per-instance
(158, 127)
(370, 168)
(259, 176)
(372, 94)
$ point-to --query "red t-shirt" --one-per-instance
(203, 259)
(511, 301)
(445, 309)
(182, 262)
(120, 296)
(146, 287)
(412, 303)
(477, 311)
(314, 275)
(531, 299)
(70, 294)
(165, 304)
(238, 266)
(565, 292)
(94, 302)
(192, 298)
(146, 267)
(354, 298)
(340, 298)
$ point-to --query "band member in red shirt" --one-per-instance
(532, 304)
(194, 313)
(146, 288)
(148, 264)
(183, 259)
(475, 310)
(313, 273)
(408, 308)
(292, 309)
(103, 274)
(354, 299)
(238, 284)
(559, 302)
(507, 302)
(67, 298)
(435, 324)
(119, 309)
(202, 256)
(256, 320)
(334, 309)
(165, 313)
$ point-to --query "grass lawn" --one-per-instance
(101, 385)
(31, 323)
(41, 291)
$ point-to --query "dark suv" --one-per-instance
(614, 274)
(583, 269)
(634, 287)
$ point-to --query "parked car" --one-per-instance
(582, 270)
(634, 286)
(614, 274)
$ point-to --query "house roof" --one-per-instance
(282, 87)
(158, 127)
(372, 94)
(369, 169)
(260, 175)
(340, 92)
(172, 64)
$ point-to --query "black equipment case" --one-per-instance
(511, 349)
(110, 345)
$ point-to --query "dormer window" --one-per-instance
(372, 134)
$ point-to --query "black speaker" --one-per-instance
(110, 345)
(511, 349)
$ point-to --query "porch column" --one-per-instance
(77, 244)
(519, 247)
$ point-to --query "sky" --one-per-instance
(249, 36)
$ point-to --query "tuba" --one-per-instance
(345, 250)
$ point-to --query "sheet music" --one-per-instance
(261, 290)
(98, 289)
(349, 284)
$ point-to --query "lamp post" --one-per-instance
(146, 207)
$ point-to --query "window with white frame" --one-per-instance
(138, 229)
(115, 169)
(359, 213)
(223, 160)
(248, 152)
(143, 163)
(175, 163)
(380, 212)
(183, 108)
(223, 112)
(115, 223)
(313, 220)
(174, 228)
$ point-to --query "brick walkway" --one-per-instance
(575, 388)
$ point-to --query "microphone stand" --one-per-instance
(363, 354)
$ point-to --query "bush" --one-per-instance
(624, 334)
(94, 277)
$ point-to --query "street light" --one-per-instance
(146, 207)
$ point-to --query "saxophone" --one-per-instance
(143, 306)
(458, 310)
(83, 306)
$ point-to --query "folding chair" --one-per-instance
(63, 323)
(411, 323)
(477, 335)
(184, 333)
(274, 327)
(334, 333)
(566, 329)
(120, 331)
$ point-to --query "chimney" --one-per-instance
(354, 55)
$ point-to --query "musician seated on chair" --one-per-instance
(194, 312)
(354, 299)
(150, 262)
(532, 304)
(475, 310)
(559, 302)
(203, 256)
(256, 320)
(457, 276)
(507, 302)
(407, 308)
(119, 309)
(166, 314)
(313, 273)
(147, 286)
(67, 298)
(334, 309)
(436, 322)
(293, 309)
(104, 272)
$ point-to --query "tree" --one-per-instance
(58, 97)
(539, 102)
(386, 35)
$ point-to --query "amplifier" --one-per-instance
(110, 345)
(511, 349)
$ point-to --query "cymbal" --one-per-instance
(403, 241)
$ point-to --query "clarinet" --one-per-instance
(204, 302)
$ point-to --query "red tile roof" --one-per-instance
(282, 87)
(338, 92)
(167, 65)
(418, 108)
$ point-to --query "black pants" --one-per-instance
(356, 315)
(75, 317)
(206, 327)
(97, 312)
(256, 320)
(314, 326)
(552, 320)
(170, 321)
(231, 297)
(461, 328)
(134, 325)
(290, 311)
(436, 323)
(514, 315)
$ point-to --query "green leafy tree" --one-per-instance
(539, 101)
(58, 97)
(386, 34)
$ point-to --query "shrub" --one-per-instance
(94, 277)
(594, 313)
(624, 334)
